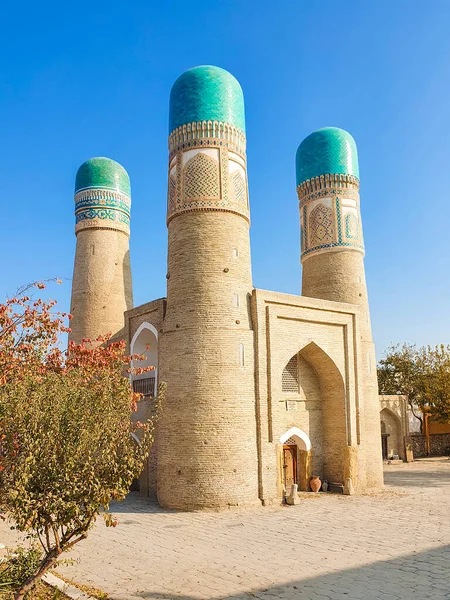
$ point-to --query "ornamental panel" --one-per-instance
(201, 178)
(321, 226)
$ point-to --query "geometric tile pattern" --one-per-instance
(172, 189)
(318, 234)
(321, 225)
(239, 193)
(351, 227)
(102, 208)
(204, 184)
(289, 377)
(201, 178)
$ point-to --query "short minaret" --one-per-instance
(207, 455)
(101, 286)
(332, 256)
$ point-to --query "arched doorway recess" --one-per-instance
(295, 458)
(391, 436)
(145, 343)
(330, 425)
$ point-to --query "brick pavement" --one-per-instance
(395, 544)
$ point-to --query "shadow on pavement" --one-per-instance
(422, 478)
(419, 576)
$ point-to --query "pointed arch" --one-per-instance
(145, 342)
(334, 410)
(321, 362)
(139, 330)
(294, 432)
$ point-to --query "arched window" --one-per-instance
(145, 342)
(289, 378)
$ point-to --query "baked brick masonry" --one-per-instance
(264, 389)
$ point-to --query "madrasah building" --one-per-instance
(264, 389)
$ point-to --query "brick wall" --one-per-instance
(101, 286)
(439, 444)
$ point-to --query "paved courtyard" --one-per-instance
(391, 545)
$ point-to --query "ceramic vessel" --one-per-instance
(315, 483)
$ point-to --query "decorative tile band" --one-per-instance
(324, 182)
(207, 173)
(102, 208)
(330, 218)
(99, 198)
(209, 133)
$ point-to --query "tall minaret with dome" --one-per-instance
(332, 257)
(101, 286)
(207, 448)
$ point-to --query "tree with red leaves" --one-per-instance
(66, 443)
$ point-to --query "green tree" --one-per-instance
(435, 382)
(422, 374)
(66, 443)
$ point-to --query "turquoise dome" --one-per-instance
(102, 173)
(328, 150)
(206, 94)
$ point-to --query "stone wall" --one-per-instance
(439, 444)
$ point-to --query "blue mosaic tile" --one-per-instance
(327, 151)
(102, 173)
(206, 93)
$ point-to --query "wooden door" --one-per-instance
(384, 445)
(289, 466)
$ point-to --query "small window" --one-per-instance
(235, 253)
(236, 299)
(242, 355)
(289, 378)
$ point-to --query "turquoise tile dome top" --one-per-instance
(325, 151)
(104, 173)
(206, 93)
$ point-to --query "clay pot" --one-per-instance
(315, 483)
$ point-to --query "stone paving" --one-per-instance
(395, 544)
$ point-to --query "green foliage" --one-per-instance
(15, 569)
(422, 374)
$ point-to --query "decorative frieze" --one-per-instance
(207, 169)
(207, 133)
(102, 208)
(329, 214)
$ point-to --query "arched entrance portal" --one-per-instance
(312, 380)
(391, 437)
(295, 458)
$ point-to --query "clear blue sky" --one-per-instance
(92, 78)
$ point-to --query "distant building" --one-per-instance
(395, 428)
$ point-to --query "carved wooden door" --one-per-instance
(289, 466)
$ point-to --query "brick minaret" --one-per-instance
(332, 256)
(207, 437)
(101, 286)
